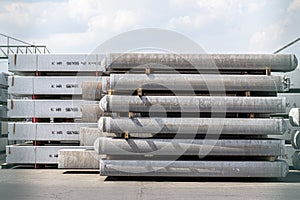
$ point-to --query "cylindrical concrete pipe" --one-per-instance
(236, 126)
(217, 147)
(211, 62)
(192, 104)
(294, 116)
(198, 82)
(295, 139)
(198, 168)
(188, 83)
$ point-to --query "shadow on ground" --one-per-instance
(293, 177)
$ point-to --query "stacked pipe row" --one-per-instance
(46, 97)
(191, 114)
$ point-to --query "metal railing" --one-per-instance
(21, 48)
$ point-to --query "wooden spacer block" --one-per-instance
(271, 158)
(130, 114)
(147, 71)
(247, 93)
(140, 92)
(268, 71)
(126, 135)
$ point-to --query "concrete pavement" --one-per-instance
(63, 184)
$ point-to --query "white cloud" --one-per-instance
(70, 26)
(17, 14)
(294, 6)
(79, 25)
(120, 20)
(228, 8)
(99, 22)
(267, 39)
(125, 19)
(194, 22)
(203, 13)
(69, 42)
(278, 33)
(186, 20)
(83, 9)
(215, 5)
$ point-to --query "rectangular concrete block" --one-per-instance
(19, 108)
(3, 112)
(20, 154)
(3, 143)
(88, 135)
(68, 62)
(3, 128)
(3, 80)
(78, 159)
(3, 95)
(26, 154)
(45, 131)
(48, 85)
(91, 113)
(51, 62)
(22, 62)
(20, 85)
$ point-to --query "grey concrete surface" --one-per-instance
(85, 185)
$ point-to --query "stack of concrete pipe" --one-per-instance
(157, 114)
(195, 115)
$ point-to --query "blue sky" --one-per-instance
(79, 26)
